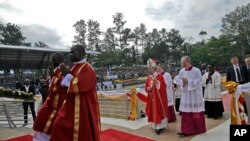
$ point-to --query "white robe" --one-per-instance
(162, 125)
(177, 92)
(243, 89)
(191, 97)
(168, 80)
(40, 136)
(212, 90)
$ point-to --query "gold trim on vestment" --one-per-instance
(77, 104)
(98, 115)
(52, 115)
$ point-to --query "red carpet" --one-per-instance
(107, 135)
(115, 135)
(21, 138)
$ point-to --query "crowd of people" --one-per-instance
(124, 73)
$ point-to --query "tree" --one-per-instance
(140, 36)
(126, 37)
(27, 44)
(167, 47)
(237, 25)
(163, 35)
(109, 40)
(119, 25)
(80, 28)
(176, 45)
(109, 58)
(202, 34)
(11, 34)
(155, 36)
(216, 51)
(40, 44)
(93, 35)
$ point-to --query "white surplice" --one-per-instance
(40, 136)
(177, 92)
(169, 82)
(212, 90)
(191, 97)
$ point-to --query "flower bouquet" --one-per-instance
(16, 94)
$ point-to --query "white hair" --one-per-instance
(247, 59)
(186, 58)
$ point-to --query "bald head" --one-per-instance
(26, 82)
(77, 53)
(185, 61)
(247, 61)
(57, 58)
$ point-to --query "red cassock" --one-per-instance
(79, 117)
(48, 112)
(156, 108)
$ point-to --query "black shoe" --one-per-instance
(216, 118)
(158, 131)
(181, 134)
(25, 124)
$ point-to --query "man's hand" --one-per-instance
(51, 72)
(185, 81)
(149, 89)
(64, 69)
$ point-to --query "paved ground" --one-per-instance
(146, 131)
(217, 129)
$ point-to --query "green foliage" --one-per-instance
(167, 47)
(81, 29)
(93, 35)
(215, 51)
(10, 34)
(237, 25)
(109, 57)
(40, 44)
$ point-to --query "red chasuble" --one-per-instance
(48, 112)
(79, 117)
(156, 108)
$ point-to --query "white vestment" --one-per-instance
(212, 89)
(169, 82)
(162, 125)
(191, 97)
(177, 92)
(40, 136)
(243, 89)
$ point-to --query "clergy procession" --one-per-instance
(124, 70)
(71, 110)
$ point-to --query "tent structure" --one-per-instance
(22, 57)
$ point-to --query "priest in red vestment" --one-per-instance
(79, 117)
(156, 108)
(48, 112)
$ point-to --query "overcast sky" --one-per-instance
(51, 20)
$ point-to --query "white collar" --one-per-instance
(237, 65)
(80, 62)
